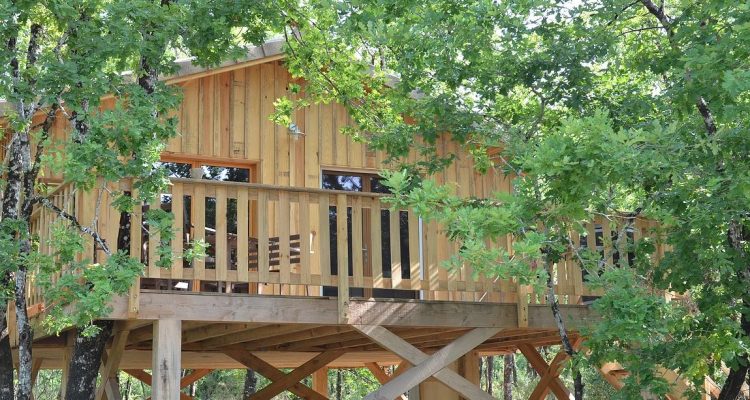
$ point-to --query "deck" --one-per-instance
(269, 294)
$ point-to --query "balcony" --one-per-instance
(289, 241)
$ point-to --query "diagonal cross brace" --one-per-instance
(426, 366)
(549, 374)
(269, 371)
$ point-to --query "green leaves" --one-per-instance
(594, 107)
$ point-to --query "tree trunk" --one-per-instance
(6, 359)
(251, 384)
(733, 384)
(85, 363)
(490, 373)
(738, 374)
(339, 383)
(509, 366)
(566, 344)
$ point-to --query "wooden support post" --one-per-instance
(269, 371)
(320, 381)
(469, 367)
(166, 361)
(426, 366)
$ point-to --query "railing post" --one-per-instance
(523, 305)
(135, 252)
(343, 258)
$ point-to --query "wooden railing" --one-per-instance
(293, 241)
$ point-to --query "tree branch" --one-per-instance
(658, 12)
(74, 221)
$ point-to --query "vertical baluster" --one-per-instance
(395, 238)
(135, 253)
(431, 263)
(263, 236)
(376, 238)
(153, 243)
(414, 267)
(357, 259)
(178, 205)
(304, 237)
(221, 233)
(243, 236)
(324, 239)
(199, 214)
(343, 258)
(576, 275)
(283, 230)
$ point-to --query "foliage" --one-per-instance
(613, 109)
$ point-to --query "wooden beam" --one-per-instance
(278, 386)
(210, 307)
(35, 367)
(146, 378)
(426, 366)
(320, 381)
(267, 370)
(537, 361)
(108, 371)
(215, 330)
(166, 361)
(381, 376)
(139, 374)
(254, 335)
(194, 377)
(553, 372)
(112, 389)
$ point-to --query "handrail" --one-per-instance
(291, 189)
(291, 241)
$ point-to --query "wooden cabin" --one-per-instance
(285, 213)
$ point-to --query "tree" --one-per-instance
(67, 60)
(614, 109)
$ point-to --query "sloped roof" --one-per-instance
(186, 69)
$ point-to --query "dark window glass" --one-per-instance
(349, 183)
(226, 174)
(176, 170)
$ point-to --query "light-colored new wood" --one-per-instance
(166, 364)
(552, 382)
(270, 372)
(342, 237)
(243, 234)
(199, 218)
(108, 371)
(376, 255)
(381, 376)
(320, 381)
(296, 375)
(395, 239)
(426, 366)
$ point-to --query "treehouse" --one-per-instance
(307, 267)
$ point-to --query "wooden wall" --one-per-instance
(225, 117)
